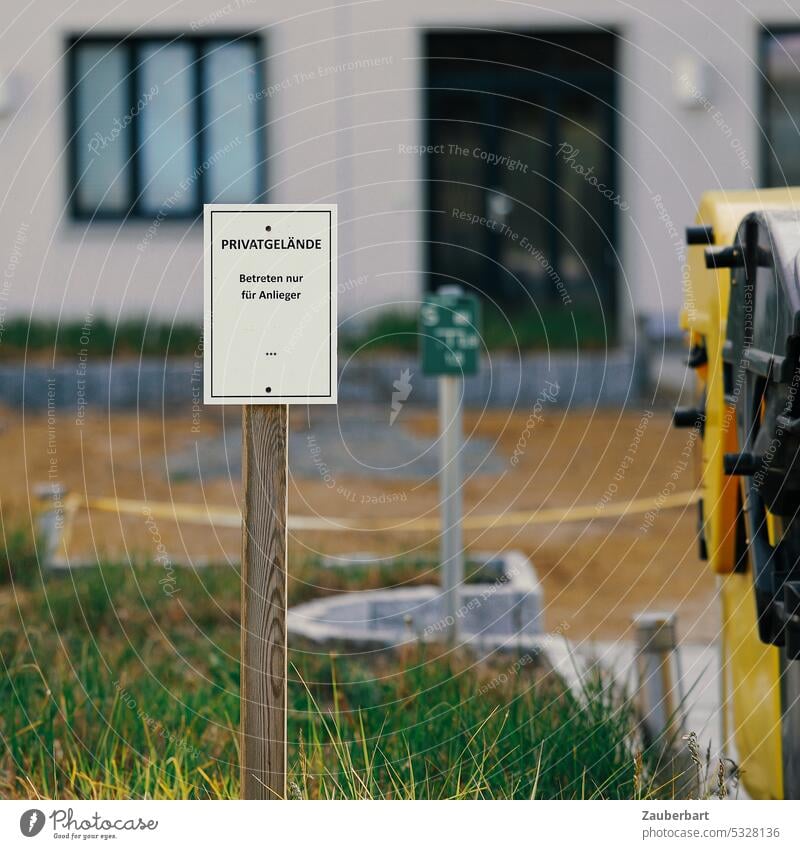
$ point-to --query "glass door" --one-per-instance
(522, 201)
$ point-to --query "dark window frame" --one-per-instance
(135, 212)
(765, 148)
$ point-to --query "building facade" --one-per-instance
(548, 158)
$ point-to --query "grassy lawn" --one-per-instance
(110, 688)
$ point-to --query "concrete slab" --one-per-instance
(508, 608)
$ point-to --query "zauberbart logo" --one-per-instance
(31, 822)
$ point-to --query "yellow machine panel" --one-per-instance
(750, 668)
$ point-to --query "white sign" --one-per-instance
(270, 304)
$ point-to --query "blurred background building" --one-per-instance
(548, 158)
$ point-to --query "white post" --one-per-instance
(51, 523)
(452, 549)
(660, 686)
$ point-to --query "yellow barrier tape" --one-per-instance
(232, 518)
(199, 513)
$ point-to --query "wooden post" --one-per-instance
(264, 650)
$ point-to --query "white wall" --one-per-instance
(677, 152)
(335, 137)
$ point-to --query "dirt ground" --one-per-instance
(596, 573)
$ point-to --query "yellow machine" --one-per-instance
(754, 693)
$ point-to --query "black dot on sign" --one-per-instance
(268, 389)
(268, 228)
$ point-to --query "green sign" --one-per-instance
(450, 333)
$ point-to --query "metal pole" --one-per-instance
(660, 694)
(51, 522)
(452, 549)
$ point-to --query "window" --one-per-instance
(781, 105)
(161, 125)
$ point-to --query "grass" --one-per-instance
(109, 688)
